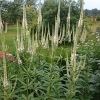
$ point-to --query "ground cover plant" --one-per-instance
(64, 65)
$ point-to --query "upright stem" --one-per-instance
(51, 71)
(27, 86)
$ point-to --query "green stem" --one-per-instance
(27, 79)
(51, 71)
(71, 86)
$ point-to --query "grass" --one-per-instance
(9, 38)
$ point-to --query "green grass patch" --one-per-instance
(9, 39)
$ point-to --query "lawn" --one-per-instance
(10, 36)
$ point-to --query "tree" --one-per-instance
(4, 15)
(31, 13)
(93, 12)
(98, 18)
(14, 12)
(19, 2)
(31, 2)
(49, 12)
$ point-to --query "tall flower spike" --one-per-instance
(18, 38)
(24, 22)
(62, 35)
(29, 41)
(17, 52)
(68, 21)
(49, 32)
(74, 68)
(57, 24)
(21, 42)
(83, 36)
(68, 17)
(5, 82)
(40, 15)
(58, 14)
(80, 22)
